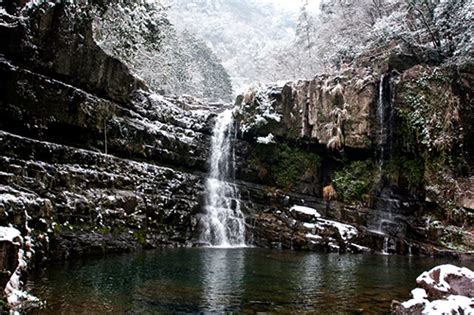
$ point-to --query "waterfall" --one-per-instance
(382, 221)
(381, 120)
(385, 117)
(223, 222)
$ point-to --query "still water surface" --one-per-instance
(207, 280)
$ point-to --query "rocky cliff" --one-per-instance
(91, 161)
(392, 142)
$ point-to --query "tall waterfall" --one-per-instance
(223, 222)
(383, 221)
(388, 218)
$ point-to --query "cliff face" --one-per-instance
(76, 128)
(330, 110)
(395, 146)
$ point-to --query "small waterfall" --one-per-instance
(385, 118)
(223, 222)
(381, 120)
(385, 246)
(382, 221)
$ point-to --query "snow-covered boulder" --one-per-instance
(446, 280)
(445, 289)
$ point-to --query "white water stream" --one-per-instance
(223, 222)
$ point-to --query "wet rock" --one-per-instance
(401, 62)
(93, 204)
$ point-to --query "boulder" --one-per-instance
(445, 289)
(10, 241)
(445, 280)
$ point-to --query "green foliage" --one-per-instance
(430, 118)
(104, 230)
(411, 169)
(452, 237)
(283, 165)
(140, 235)
(354, 181)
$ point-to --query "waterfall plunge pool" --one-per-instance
(212, 280)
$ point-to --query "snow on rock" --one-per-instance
(419, 298)
(419, 293)
(257, 101)
(306, 210)
(304, 214)
(309, 225)
(11, 235)
(346, 231)
(312, 220)
(314, 236)
(266, 140)
(355, 248)
(15, 296)
(447, 279)
(454, 304)
(445, 289)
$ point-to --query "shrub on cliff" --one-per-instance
(354, 181)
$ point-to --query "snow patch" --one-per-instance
(346, 231)
(11, 235)
(419, 297)
(266, 140)
(306, 210)
(314, 236)
(309, 225)
(454, 304)
(360, 247)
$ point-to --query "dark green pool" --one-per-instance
(228, 280)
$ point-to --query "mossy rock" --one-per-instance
(283, 165)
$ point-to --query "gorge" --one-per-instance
(94, 162)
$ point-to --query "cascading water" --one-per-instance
(223, 222)
(383, 221)
(381, 120)
(391, 208)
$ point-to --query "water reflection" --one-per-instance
(212, 280)
(223, 271)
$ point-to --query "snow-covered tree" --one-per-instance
(167, 59)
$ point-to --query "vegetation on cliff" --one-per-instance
(168, 60)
